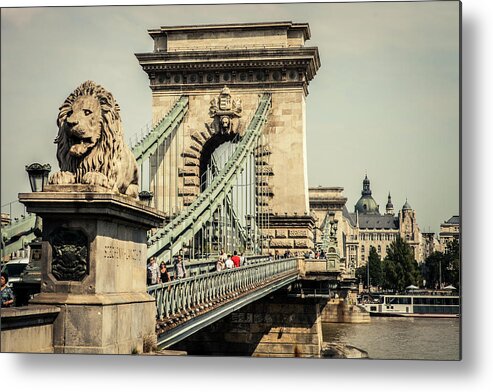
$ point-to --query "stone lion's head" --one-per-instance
(91, 148)
(88, 118)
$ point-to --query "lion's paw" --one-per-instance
(62, 178)
(132, 191)
(95, 178)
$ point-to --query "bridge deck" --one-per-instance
(187, 305)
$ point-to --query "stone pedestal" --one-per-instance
(94, 268)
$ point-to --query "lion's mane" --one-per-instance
(109, 153)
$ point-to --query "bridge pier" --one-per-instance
(275, 326)
(339, 311)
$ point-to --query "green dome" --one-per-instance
(366, 205)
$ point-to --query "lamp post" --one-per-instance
(146, 197)
(30, 282)
(38, 176)
(440, 274)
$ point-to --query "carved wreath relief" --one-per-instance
(70, 254)
(226, 113)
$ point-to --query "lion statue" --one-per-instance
(91, 149)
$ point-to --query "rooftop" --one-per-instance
(234, 26)
(455, 220)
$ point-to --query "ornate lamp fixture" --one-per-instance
(30, 282)
(146, 197)
(38, 176)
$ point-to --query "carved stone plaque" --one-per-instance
(70, 254)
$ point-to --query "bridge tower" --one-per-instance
(223, 69)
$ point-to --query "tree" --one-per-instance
(360, 273)
(451, 272)
(375, 267)
(400, 268)
(443, 267)
(431, 269)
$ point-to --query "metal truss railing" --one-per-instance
(19, 232)
(183, 227)
(161, 131)
(191, 296)
(24, 224)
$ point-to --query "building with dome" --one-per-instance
(366, 226)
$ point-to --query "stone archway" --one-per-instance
(208, 149)
(225, 112)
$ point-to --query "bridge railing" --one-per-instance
(161, 131)
(195, 267)
(190, 296)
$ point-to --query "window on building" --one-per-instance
(362, 249)
(362, 257)
(379, 249)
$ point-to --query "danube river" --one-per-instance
(400, 337)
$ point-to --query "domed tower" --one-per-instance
(389, 208)
(366, 204)
(406, 206)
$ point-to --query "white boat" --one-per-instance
(419, 304)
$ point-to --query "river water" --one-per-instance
(400, 337)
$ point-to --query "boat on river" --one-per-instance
(413, 304)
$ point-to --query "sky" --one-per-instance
(385, 101)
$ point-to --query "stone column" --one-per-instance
(94, 268)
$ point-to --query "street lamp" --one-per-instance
(146, 197)
(30, 282)
(38, 176)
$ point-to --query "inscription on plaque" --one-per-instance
(115, 253)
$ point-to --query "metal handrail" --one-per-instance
(192, 295)
(205, 266)
(19, 226)
(161, 131)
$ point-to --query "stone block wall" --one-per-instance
(289, 232)
(275, 328)
(28, 329)
(339, 311)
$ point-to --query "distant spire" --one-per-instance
(389, 208)
(366, 187)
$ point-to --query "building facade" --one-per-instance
(449, 231)
(366, 226)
